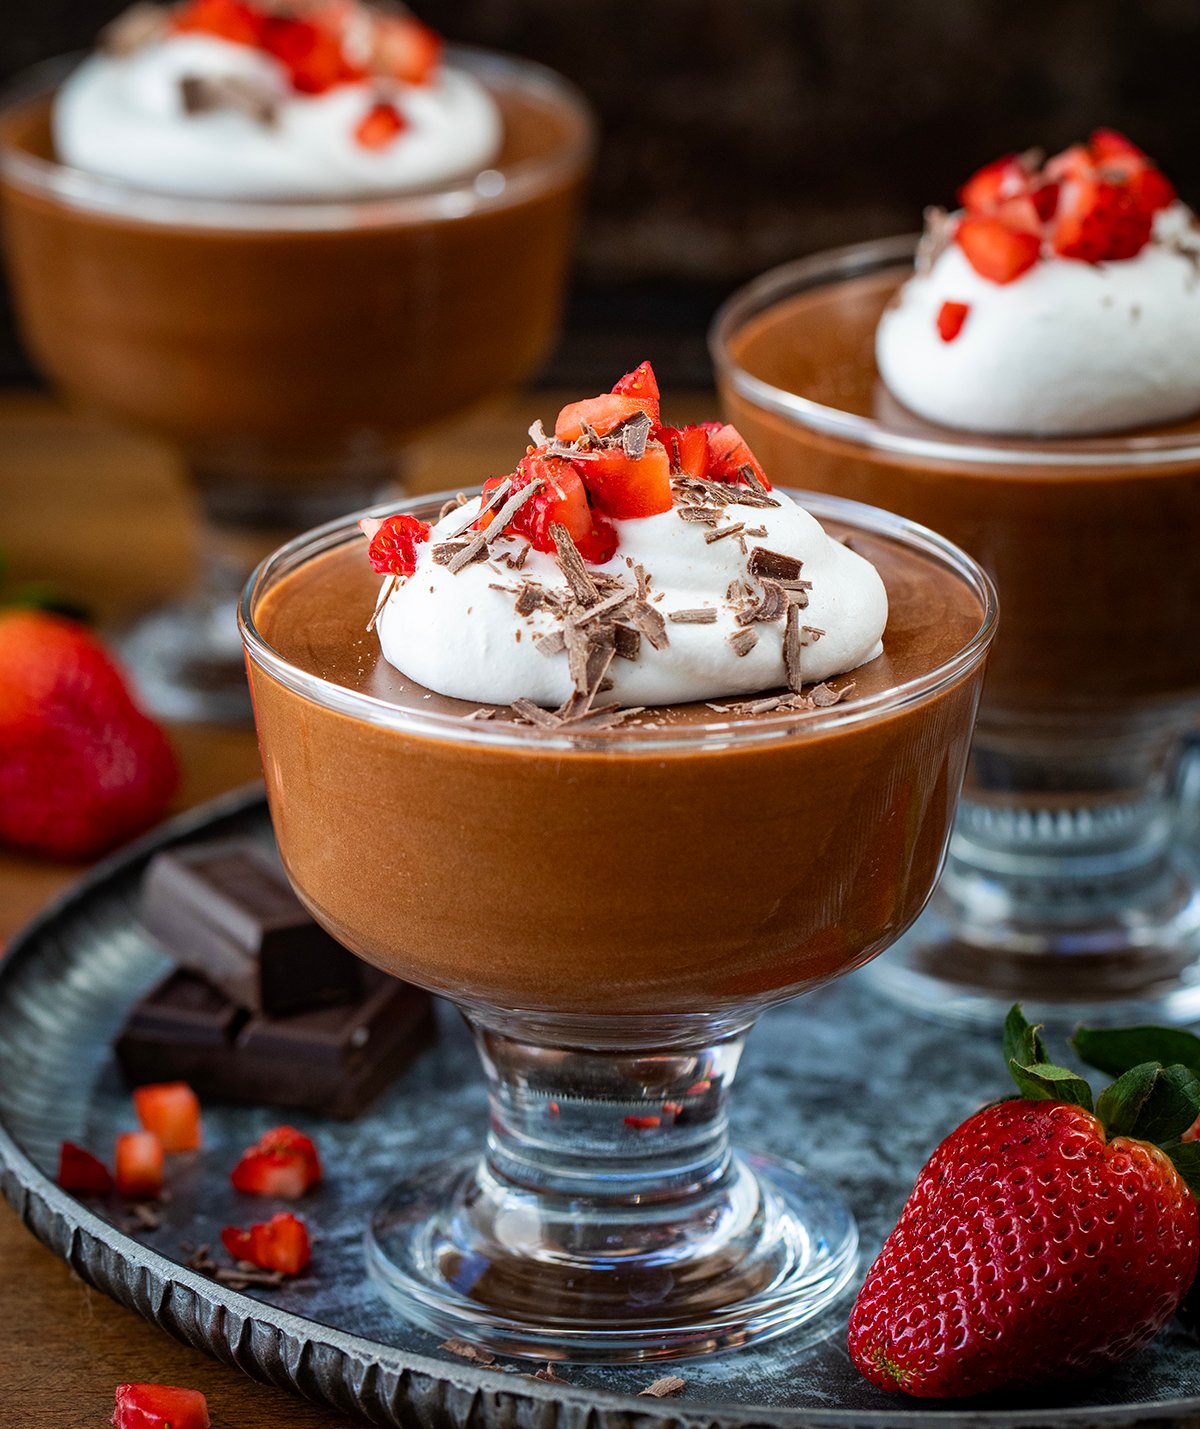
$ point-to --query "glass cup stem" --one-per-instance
(608, 1218)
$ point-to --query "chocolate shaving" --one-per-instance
(771, 605)
(495, 497)
(143, 1216)
(701, 615)
(385, 595)
(793, 645)
(483, 539)
(721, 532)
(773, 565)
(484, 712)
(752, 478)
(665, 1388)
(706, 515)
(935, 239)
(466, 1351)
(445, 551)
(635, 433)
(743, 641)
(548, 1375)
(553, 642)
(627, 642)
(517, 562)
(823, 696)
(204, 94)
(535, 714)
(571, 562)
(537, 434)
(649, 622)
(134, 29)
(529, 596)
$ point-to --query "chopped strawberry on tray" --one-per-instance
(159, 1406)
(171, 1110)
(281, 1244)
(283, 1162)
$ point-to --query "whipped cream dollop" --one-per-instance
(461, 633)
(1068, 349)
(123, 116)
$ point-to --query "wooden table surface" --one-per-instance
(106, 517)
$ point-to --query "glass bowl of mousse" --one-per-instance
(285, 236)
(1031, 390)
(616, 755)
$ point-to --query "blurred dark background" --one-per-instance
(736, 134)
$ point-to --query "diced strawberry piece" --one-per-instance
(1045, 199)
(1021, 215)
(283, 1162)
(1152, 190)
(281, 1244)
(139, 1165)
(1098, 221)
(641, 384)
(312, 55)
(404, 49)
(729, 454)
(687, 448)
(159, 1406)
(563, 501)
(600, 544)
(1073, 163)
(602, 414)
(950, 319)
(231, 20)
(380, 126)
(995, 251)
(627, 488)
(1108, 144)
(393, 543)
(1003, 178)
(172, 1112)
(81, 1173)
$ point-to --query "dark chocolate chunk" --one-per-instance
(330, 1060)
(227, 911)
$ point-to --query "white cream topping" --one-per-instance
(123, 117)
(458, 635)
(1066, 349)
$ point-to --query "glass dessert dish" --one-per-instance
(1068, 884)
(289, 349)
(611, 911)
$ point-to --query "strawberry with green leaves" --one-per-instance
(1046, 1238)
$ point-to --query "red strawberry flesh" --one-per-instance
(950, 320)
(281, 1244)
(159, 1406)
(139, 1165)
(1032, 1249)
(171, 1111)
(283, 1162)
(81, 1173)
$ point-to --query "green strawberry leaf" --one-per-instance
(1116, 1050)
(1120, 1106)
(1042, 1081)
(1185, 1157)
(1151, 1102)
(1022, 1040)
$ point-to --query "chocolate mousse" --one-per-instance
(1028, 388)
(691, 855)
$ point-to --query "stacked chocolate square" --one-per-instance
(263, 1006)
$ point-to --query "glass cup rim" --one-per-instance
(706, 734)
(971, 448)
(488, 190)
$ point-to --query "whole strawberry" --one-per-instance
(82, 769)
(1042, 1241)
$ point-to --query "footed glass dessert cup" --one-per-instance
(289, 350)
(610, 912)
(1070, 883)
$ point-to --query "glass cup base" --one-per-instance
(765, 1252)
(186, 662)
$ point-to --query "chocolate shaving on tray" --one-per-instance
(719, 534)
(743, 641)
(204, 94)
(549, 1376)
(133, 29)
(665, 1388)
(571, 562)
(468, 1352)
(773, 565)
(701, 615)
(482, 540)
